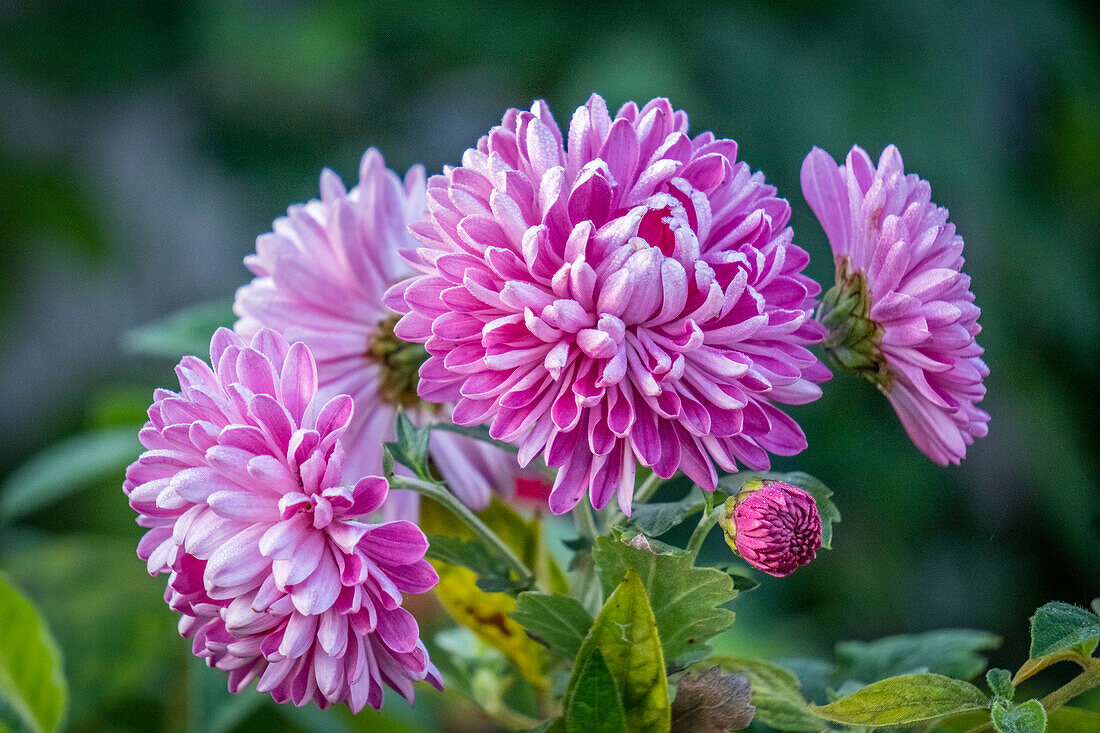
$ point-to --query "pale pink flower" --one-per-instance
(320, 276)
(635, 298)
(277, 576)
(773, 526)
(901, 313)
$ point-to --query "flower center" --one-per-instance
(398, 362)
(853, 339)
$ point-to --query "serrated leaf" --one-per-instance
(1000, 683)
(1028, 717)
(626, 634)
(410, 446)
(687, 601)
(66, 467)
(908, 698)
(658, 518)
(821, 493)
(559, 620)
(1057, 627)
(32, 687)
(743, 580)
(775, 694)
(187, 331)
(712, 702)
(950, 652)
(595, 706)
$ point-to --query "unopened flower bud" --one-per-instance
(773, 526)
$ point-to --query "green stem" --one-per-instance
(511, 719)
(1083, 682)
(641, 494)
(585, 521)
(439, 493)
(648, 488)
(708, 520)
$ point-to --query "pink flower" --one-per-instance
(320, 277)
(773, 526)
(635, 298)
(901, 313)
(276, 576)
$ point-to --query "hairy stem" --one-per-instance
(439, 493)
(585, 521)
(708, 520)
(1083, 682)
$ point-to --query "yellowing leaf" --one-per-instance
(625, 633)
(487, 614)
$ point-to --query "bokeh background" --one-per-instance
(143, 146)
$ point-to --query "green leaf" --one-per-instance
(487, 612)
(1000, 683)
(477, 432)
(830, 515)
(105, 612)
(595, 706)
(626, 634)
(492, 573)
(1029, 717)
(66, 467)
(904, 699)
(1057, 626)
(687, 600)
(184, 332)
(410, 446)
(560, 621)
(656, 519)
(775, 693)
(743, 579)
(32, 687)
(1073, 720)
(950, 652)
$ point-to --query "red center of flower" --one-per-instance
(655, 229)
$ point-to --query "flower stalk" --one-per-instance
(451, 502)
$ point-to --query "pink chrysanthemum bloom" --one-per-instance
(320, 277)
(636, 297)
(773, 526)
(901, 313)
(277, 576)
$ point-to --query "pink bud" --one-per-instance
(773, 526)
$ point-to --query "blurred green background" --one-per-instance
(143, 146)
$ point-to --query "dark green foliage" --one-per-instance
(687, 601)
